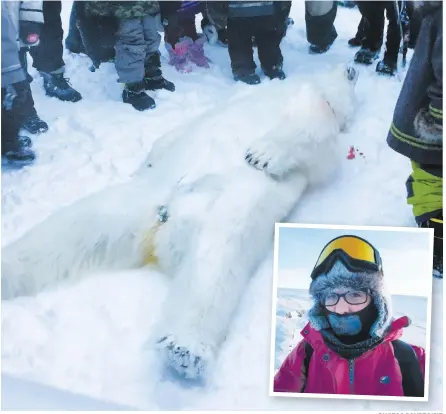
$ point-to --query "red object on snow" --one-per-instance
(351, 153)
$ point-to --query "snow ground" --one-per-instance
(90, 338)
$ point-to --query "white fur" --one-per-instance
(221, 212)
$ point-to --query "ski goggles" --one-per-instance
(357, 254)
(352, 297)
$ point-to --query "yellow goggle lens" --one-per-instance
(356, 248)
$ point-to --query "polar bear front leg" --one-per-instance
(233, 240)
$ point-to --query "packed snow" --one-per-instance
(90, 338)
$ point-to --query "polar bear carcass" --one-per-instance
(197, 209)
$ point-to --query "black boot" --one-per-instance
(275, 72)
(58, 87)
(134, 94)
(21, 154)
(366, 56)
(153, 77)
(249, 79)
(386, 68)
(318, 50)
(34, 125)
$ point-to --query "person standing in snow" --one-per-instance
(351, 344)
(181, 39)
(373, 13)
(319, 20)
(137, 58)
(27, 17)
(25, 24)
(266, 22)
(47, 56)
(417, 127)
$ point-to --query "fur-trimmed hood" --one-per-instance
(339, 277)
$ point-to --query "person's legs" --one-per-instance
(129, 63)
(319, 19)
(268, 47)
(240, 33)
(153, 78)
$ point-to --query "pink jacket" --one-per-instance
(376, 372)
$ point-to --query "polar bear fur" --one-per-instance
(221, 211)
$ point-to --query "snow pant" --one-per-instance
(319, 20)
(373, 11)
(74, 40)
(47, 55)
(137, 41)
(27, 102)
(14, 115)
(362, 29)
(177, 28)
(268, 32)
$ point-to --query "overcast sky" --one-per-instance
(405, 254)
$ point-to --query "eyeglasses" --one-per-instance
(357, 254)
(353, 297)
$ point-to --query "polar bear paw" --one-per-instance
(268, 157)
(190, 360)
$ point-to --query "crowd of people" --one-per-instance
(128, 34)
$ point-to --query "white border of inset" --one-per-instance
(274, 307)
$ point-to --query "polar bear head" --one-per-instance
(338, 87)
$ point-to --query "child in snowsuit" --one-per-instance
(373, 12)
(182, 41)
(417, 128)
(21, 23)
(137, 58)
(266, 22)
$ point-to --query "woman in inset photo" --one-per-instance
(351, 344)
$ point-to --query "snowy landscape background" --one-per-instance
(90, 338)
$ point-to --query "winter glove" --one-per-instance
(29, 33)
(428, 127)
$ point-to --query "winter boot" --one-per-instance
(355, 41)
(195, 53)
(275, 72)
(318, 50)
(153, 77)
(134, 94)
(366, 56)
(178, 56)
(59, 87)
(34, 125)
(153, 83)
(386, 68)
(249, 79)
(22, 155)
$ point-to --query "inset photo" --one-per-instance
(351, 312)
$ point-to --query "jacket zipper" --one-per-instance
(351, 374)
